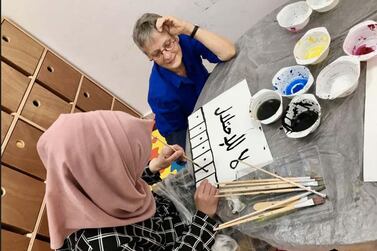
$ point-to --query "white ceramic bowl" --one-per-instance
(313, 46)
(264, 98)
(322, 5)
(295, 16)
(292, 80)
(361, 40)
(302, 117)
(338, 79)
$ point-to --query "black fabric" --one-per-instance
(164, 231)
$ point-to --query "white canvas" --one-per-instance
(222, 133)
(370, 122)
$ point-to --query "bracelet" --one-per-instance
(196, 27)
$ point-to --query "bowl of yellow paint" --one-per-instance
(313, 47)
(361, 40)
(295, 16)
(338, 79)
(322, 5)
(292, 80)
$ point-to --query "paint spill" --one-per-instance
(295, 86)
(268, 108)
(362, 50)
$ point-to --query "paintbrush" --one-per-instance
(247, 187)
(225, 183)
(316, 200)
(262, 188)
(264, 204)
(277, 191)
(172, 148)
(268, 182)
(282, 178)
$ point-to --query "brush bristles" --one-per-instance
(318, 200)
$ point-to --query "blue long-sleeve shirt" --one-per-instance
(173, 97)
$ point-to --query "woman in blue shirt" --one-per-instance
(177, 49)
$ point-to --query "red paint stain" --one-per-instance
(372, 27)
(362, 50)
(154, 153)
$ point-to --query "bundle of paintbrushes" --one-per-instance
(271, 209)
(269, 186)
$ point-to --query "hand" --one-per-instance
(174, 26)
(166, 157)
(205, 199)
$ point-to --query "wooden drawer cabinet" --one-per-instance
(21, 200)
(13, 87)
(92, 97)
(118, 106)
(41, 246)
(59, 76)
(43, 107)
(43, 226)
(13, 242)
(6, 120)
(21, 151)
(19, 48)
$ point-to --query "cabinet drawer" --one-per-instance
(21, 151)
(92, 97)
(41, 246)
(43, 107)
(118, 106)
(43, 226)
(59, 76)
(13, 87)
(6, 120)
(13, 242)
(21, 200)
(19, 48)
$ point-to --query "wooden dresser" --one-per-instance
(36, 86)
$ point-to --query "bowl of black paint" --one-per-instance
(266, 106)
(302, 116)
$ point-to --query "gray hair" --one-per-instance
(143, 29)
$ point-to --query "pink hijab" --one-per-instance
(94, 163)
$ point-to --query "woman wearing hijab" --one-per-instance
(97, 188)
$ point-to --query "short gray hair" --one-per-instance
(143, 29)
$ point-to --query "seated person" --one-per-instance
(178, 75)
(97, 191)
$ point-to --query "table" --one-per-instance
(351, 215)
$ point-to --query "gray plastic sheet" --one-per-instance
(335, 149)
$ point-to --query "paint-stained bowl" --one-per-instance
(302, 116)
(322, 5)
(361, 40)
(338, 79)
(266, 106)
(295, 16)
(293, 80)
(313, 46)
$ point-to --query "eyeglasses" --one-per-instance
(168, 46)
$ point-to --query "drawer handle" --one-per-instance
(20, 144)
(50, 68)
(36, 103)
(3, 192)
(86, 94)
(5, 38)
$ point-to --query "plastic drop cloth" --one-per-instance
(335, 149)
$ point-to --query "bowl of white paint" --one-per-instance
(295, 16)
(322, 5)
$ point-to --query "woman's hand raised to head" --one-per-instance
(166, 157)
(174, 26)
(205, 200)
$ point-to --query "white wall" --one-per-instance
(96, 35)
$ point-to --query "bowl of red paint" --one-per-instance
(302, 116)
(361, 40)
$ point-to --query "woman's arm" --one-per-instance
(223, 48)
